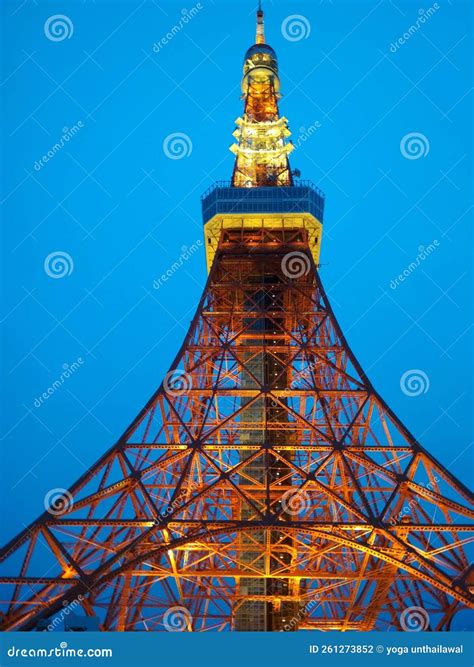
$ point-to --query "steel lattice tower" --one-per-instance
(266, 485)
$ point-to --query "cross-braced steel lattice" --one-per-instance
(266, 485)
(266, 474)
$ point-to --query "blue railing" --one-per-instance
(222, 198)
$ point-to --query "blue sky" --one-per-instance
(123, 211)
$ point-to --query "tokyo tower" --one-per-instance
(265, 485)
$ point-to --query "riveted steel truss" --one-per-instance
(266, 476)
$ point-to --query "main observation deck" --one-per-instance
(222, 198)
(289, 207)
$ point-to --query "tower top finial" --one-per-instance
(260, 39)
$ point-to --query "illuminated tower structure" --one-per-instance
(265, 485)
(261, 149)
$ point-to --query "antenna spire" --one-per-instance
(260, 39)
